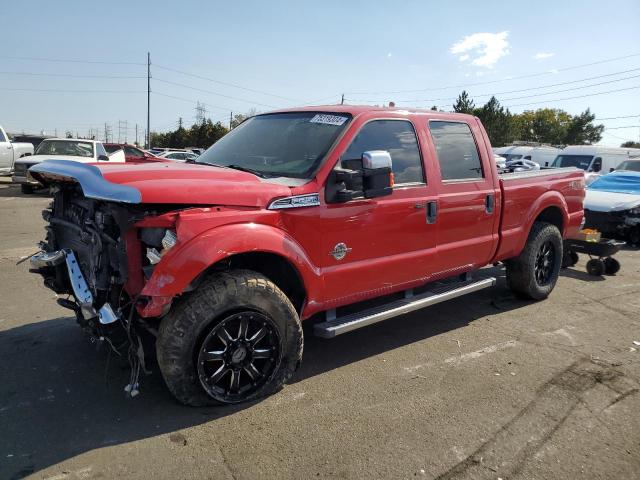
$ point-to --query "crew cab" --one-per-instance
(84, 151)
(11, 151)
(297, 215)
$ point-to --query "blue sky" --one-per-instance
(302, 52)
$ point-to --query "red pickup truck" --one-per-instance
(294, 215)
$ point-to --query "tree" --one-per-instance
(497, 122)
(238, 118)
(464, 104)
(630, 144)
(204, 135)
(582, 131)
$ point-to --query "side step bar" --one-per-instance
(442, 293)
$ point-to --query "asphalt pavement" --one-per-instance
(483, 387)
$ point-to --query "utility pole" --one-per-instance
(179, 123)
(136, 134)
(342, 101)
(230, 120)
(148, 140)
(201, 113)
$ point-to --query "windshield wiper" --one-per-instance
(244, 169)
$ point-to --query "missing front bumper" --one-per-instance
(83, 296)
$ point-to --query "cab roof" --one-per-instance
(356, 110)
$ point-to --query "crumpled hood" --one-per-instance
(602, 201)
(166, 183)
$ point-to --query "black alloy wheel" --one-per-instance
(544, 266)
(238, 356)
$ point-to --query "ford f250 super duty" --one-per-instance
(294, 215)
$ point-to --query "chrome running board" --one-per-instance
(439, 293)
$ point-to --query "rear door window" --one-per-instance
(456, 150)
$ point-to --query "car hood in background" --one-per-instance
(601, 201)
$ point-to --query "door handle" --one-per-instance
(489, 203)
(432, 212)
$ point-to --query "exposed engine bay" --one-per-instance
(84, 256)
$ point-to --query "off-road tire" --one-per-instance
(521, 277)
(182, 331)
(26, 189)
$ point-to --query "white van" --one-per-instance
(592, 159)
(542, 155)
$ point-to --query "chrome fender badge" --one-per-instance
(340, 251)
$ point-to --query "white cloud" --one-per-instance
(389, 55)
(543, 55)
(485, 48)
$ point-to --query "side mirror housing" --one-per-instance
(368, 177)
(103, 158)
(377, 173)
(611, 169)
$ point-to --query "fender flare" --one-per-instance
(183, 263)
(550, 198)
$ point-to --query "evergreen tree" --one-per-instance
(464, 104)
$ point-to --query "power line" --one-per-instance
(212, 93)
(228, 84)
(69, 91)
(571, 98)
(190, 101)
(34, 74)
(60, 60)
(626, 126)
(616, 118)
(519, 77)
(529, 89)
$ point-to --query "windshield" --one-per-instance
(64, 147)
(112, 148)
(511, 156)
(632, 165)
(579, 161)
(279, 144)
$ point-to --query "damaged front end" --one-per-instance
(95, 259)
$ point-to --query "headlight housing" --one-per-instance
(158, 242)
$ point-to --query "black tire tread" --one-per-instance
(520, 278)
(182, 327)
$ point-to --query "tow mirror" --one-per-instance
(377, 173)
(103, 158)
(370, 176)
(611, 169)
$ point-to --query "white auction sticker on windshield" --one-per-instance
(328, 119)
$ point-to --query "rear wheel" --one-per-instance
(237, 338)
(533, 273)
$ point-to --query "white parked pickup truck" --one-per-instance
(10, 152)
(78, 150)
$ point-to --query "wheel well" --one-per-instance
(552, 215)
(274, 267)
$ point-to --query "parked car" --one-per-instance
(33, 139)
(225, 257)
(179, 156)
(542, 155)
(612, 205)
(594, 160)
(84, 151)
(132, 153)
(632, 165)
(11, 151)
